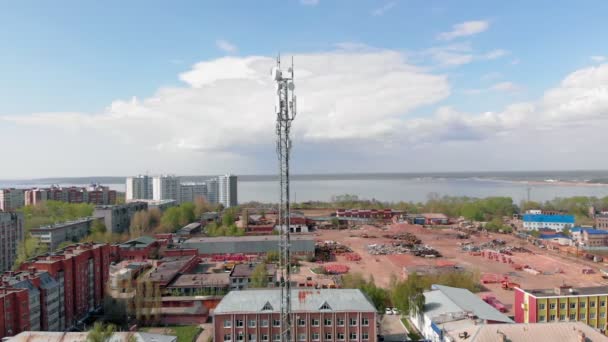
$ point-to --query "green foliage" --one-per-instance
(335, 222)
(229, 217)
(184, 333)
(170, 221)
(259, 276)
(186, 213)
(412, 334)
(566, 231)
(98, 227)
(50, 212)
(29, 248)
(65, 244)
(535, 233)
(379, 296)
(496, 225)
(272, 256)
(101, 332)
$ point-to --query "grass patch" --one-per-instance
(186, 333)
(413, 335)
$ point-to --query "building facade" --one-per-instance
(11, 199)
(139, 187)
(55, 234)
(241, 274)
(166, 187)
(318, 315)
(213, 191)
(15, 317)
(601, 221)
(208, 246)
(545, 221)
(11, 233)
(94, 193)
(117, 218)
(562, 304)
(189, 192)
(227, 194)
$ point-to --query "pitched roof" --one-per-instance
(142, 241)
(446, 299)
(301, 300)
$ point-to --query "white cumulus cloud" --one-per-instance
(384, 8)
(226, 46)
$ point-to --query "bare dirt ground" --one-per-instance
(383, 267)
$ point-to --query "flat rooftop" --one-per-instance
(245, 270)
(251, 238)
(201, 280)
(63, 225)
(576, 291)
(525, 332)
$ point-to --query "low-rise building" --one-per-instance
(376, 214)
(428, 218)
(447, 309)
(544, 221)
(11, 233)
(601, 221)
(140, 248)
(559, 331)
(199, 284)
(317, 315)
(73, 231)
(595, 237)
(190, 229)
(208, 246)
(240, 276)
(117, 218)
(45, 336)
(562, 304)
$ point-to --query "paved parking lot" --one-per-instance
(392, 329)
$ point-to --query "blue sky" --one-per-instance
(76, 57)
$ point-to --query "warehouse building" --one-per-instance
(545, 221)
(327, 314)
(300, 245)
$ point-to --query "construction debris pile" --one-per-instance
(407, 239)
(327, 250)
(402, 248)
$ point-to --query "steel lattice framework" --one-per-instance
(285, 109)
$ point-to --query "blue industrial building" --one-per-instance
(544, 221)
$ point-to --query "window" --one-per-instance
(353, 336)
(315, 336)
(552, 306)
(582, 316)
(592, 315)
(314, 322)
(265, 337)
(239, 323)
(573, 317)
(541, 318)
(227, 323)
(252, 323)
(541, 306)
(591, 304)
(267, 307)
(562, 306)
(276, 337)
(301, 322)
(551, 318)
(302, 337)
(327, 322)
(364, 336)
(602, 315)
(572, 305)
(582, 305)
(227, 337)
(340, 322)
(603, 303)
(251, 337)
(364, 321)
(562, 317)
(341, 336)
(328, 336)
(325, 306)
(240, 337)
(276, 323)
(353, 321)
(264, 323)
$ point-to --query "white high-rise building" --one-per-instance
(191, 191)
(166, 187)
(139, 187)
(212, 191)
(227, 194)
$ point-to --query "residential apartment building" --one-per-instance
(53, 235)
(213, 191)
(11, 233)
(94, 193)
(555, 222)
(227, 190)
(318, 315)
(166, 187)
(601, 221)
(139, 187)
(11, 199)
(117, 218)
(562, 304)
(15, 317)
(189, 192)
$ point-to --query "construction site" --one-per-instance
(392, 249)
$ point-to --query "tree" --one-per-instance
(98, 227)
(201, 206)
(566, 231)
(272, 256)
(170, 219)
(259, 276)
(28, 248)
(186, 213)
(101, 332)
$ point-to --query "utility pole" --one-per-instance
(285, 109)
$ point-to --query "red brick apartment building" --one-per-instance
(80, 271)
(318, 315)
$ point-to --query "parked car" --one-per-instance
(389, 311)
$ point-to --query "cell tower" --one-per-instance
(285, 109)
